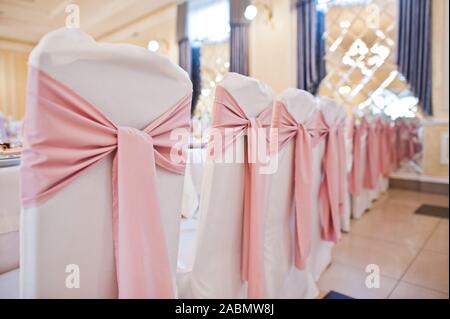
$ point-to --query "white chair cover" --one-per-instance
(361, 202)
(283, 279)
(346, 218)
(321, 251)
(216, 271)
(66, 230)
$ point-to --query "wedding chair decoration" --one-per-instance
(375, 156)
(230, 241)
(328, 181)
(385, 154)
(393, 152)
(400, 144)
(189, 222)
(348, 137)
(192, 182)
(332, 189)
(360, 195)
(408, 139)
(101, 190)
(288, 201)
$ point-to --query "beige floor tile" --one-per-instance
(394, 205)
(404, 196)
(391, 236)
(434, 199)
(414, 198)
(411, 204)
(350, 281)
(439, 239)
(381, 201)
(359, 251)
(395, 226)
(429, 270)
(399, 213)
(408, 291)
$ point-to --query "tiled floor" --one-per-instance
(411, 251)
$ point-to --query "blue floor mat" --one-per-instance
(335, 295)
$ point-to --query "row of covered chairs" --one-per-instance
(101, 192)
(301, 207)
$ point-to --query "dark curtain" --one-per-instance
(184, 47)
(310, 46)
(321, 49)
(414, 48)
(239, 37)
(196, 76)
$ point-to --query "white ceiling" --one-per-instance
(26, 21)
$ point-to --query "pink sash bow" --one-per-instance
(228, 114)
(305, 135)
(65, 135)
(332, 193)
(393, 152)
(372, 171)
(385, 156)
(356, 174)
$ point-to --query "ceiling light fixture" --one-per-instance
(252, 11)
(153, 45)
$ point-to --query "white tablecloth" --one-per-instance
(9, 221)
(9, 199)
(193, 182)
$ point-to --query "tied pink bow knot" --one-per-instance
(303, 147)
(385, 150)
(257, 143)
(65, 135)
(356, 174)
(371, 173)
(331, 188)
(136, 247)
(342, 167)
(303, 200)
(303, 133)
(393, 147)
(228, 114)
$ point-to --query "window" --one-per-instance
(209, 20)
(209, 31)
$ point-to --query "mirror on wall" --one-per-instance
(360, 40)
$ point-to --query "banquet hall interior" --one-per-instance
(350, 202)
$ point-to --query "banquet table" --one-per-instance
(9, 223)
(190, 206)
(193, 182)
